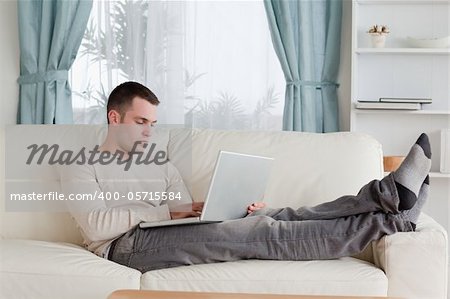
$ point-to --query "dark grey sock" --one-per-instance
(413, 214)
(411, 174)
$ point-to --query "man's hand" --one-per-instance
(255, 206)
(196, 211)
(197, 206)
(179, 215)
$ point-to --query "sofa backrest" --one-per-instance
(308, 169)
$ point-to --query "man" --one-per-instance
(343, 227)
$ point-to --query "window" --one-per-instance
(211, 63)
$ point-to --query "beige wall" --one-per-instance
(9, 61)
(9, 66)
(344, 76)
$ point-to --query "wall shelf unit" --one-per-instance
(398, 70)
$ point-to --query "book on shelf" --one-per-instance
(406, 100)
(365, 104)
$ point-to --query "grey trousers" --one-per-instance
(339, 228)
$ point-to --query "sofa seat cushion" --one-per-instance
(345, 277)
(59, 270)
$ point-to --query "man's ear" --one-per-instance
(113, 117)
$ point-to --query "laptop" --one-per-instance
(238, 181)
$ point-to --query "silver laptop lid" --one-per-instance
(238, 181)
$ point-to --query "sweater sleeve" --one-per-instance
(183, 202)
(96, 220)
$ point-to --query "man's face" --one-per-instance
(135, 125)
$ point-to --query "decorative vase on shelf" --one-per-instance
(378, 35)
(378, 40)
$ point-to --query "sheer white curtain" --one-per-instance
(211, 63)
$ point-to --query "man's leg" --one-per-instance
(413, 214)
(395, 193)
(259, 237)
(376, 196)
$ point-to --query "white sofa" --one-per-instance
(42, 254)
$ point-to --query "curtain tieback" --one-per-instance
(48, 76)
(318, 84)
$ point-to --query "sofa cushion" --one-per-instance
(56, 270)
(345, 276)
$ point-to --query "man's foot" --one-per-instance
(413, 214)
(411, 174)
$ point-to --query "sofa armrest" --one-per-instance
(415, 263)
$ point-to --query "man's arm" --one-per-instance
(183, 206)
(98, 221)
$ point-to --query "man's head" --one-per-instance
(121, 99)
(133, 106)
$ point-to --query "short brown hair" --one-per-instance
(122, 96)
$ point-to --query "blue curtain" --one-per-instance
(50, 33)
(306, 35)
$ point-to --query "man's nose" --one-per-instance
(147, 131)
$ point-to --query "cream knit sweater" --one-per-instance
(116, 208)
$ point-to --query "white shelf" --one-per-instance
(439, 175)
(423, 112)
(433, 175)
(416, 51)
(403, 2)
